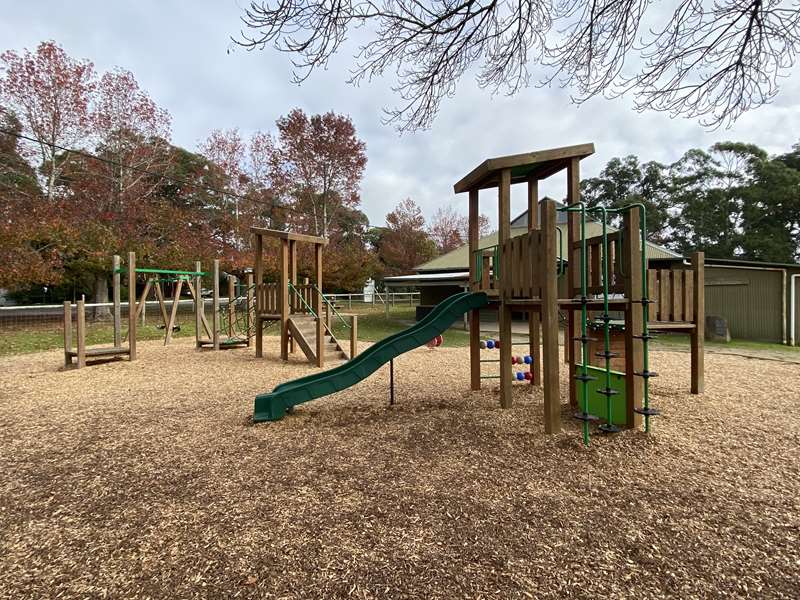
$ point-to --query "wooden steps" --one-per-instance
(303, 329)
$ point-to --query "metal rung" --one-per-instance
(646, 374)
(582, 416)
(607, 354)
(647, 412)
(585, 378)
(584, 339)
(608, 392)
(609, 428)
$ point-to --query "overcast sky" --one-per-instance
(179, 52)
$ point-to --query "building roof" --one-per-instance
(529, 165)
(458, 259)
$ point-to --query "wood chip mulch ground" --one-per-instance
(147, 479)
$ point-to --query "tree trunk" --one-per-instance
(101, 313)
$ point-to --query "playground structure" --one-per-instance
(80, 355)
(605, 274)
(608, 286)
(298, 307)
(236, 320)
(231, 326)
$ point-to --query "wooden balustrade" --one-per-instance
(672, 293)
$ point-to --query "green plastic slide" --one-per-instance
(272, 406)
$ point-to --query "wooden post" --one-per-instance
(320, 342)
(174, 313)
(634, 354)
(549, 318)
(81, 333)
(249, 317)
(115, 281)
(573, 348)
(475, 315)
(534, 317)
(259, 332)
(318, 277)
(215, 306)
(698, 333)
(67, 333)
(198, 304)
(131, 305)
(283, 296)
(504, 234)
(231, 307)
(295, 304)
(353, 336)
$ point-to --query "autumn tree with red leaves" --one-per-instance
(319, 162)
(450, 230)
(404, 244)
(50, 93)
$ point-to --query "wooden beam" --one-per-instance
(549, 316)
(196, 292)
(534, 322)
(283, 295)
(115, 286)
(487, 168)
(231, 307)
(174, 313)
(698, 333)
(67, 333)
(215, 305)
(289, 235)
(504, 234)
(473, 240)
(131, 305)
(81, 333)
(320, 350)
(353, 336)
(259, 273)
(250, 307)
(634, 348)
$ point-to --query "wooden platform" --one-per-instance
(227, 343)
(100, 352)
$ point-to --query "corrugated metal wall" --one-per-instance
(750, 300)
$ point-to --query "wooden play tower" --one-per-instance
(301, 309)
(601, 280)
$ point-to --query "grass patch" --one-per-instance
(374, 326)
(681, 340)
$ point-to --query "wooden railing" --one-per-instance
(520, 275)
(594, 260)
(672, 291)
(268, 301)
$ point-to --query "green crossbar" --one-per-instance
(164, 272)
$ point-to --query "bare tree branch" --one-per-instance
(710, 60)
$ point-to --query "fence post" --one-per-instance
(115, 279)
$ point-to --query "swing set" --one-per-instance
(228, 328)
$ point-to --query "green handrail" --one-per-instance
(610, 427)
(303, 300)
(330, 304)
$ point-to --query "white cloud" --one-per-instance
(178, 52)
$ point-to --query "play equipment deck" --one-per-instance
(272, 406)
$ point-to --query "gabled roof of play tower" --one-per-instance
(529, 165)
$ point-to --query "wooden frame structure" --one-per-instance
(80, 356)
(521, 274)
(297, 306)
(213, 332)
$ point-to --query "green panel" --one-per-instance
(598, 402)
(272, 406)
